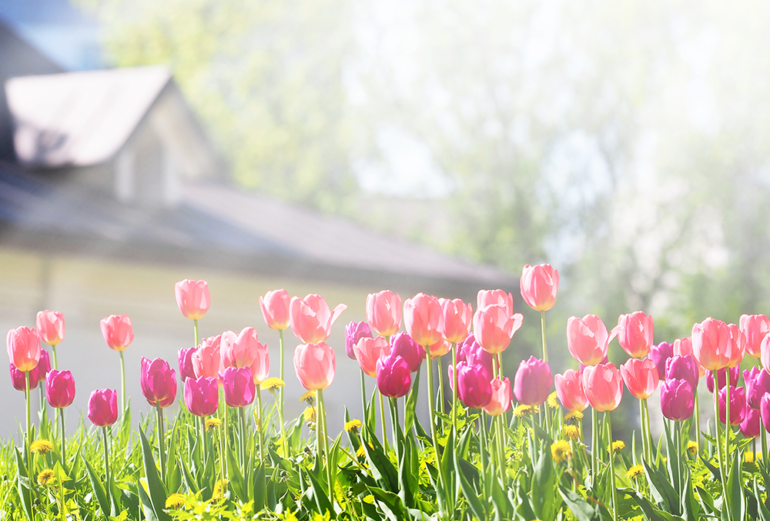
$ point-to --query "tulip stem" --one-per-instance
(394, 426)
(161, 444)
(649, 430)
(454, 386)
(612, 468)
(63, 446)
(382, 420)
(722, 474)
(483, 436)
(431, 414)
(53, 350)
(500, 449)
(643, 423)
(203, 438)
(122, 385)
(594, 446)
(261, 438)
(242, 426)
(29, 441)
(542, 327)
(41, 393)
(363, 396)
(322, 413)
(762, 442)
(440, 383)
(697, 421)
(728, 423)
(106, 468)
(280, 399)
(195, 327)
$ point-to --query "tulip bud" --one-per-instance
(50, 327)
(401, 344)
(683, 368)
(737, 404)
(184, 357)
(383, 312)
(539, 286)
(201, 395)
(569, 389)
(354, 332)
(238, 385)
(456, 319)
(533, 381)
(60, 389)
(393, 376)
(635, 333)
(23, 345)
(502, 397)
(311, 320)
(587, 339)
(103, 407)
(641, 377)
(117, 331)
(276, 309)
(423, 319)
(192, 297)
(603, 386)
(158, 382)
(315, 365)
(754, 328)
(677, 399)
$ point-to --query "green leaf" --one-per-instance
(762, 510)
(662, 491)
(544, 498)
(259, 489)
(98, 488)
(411, 403)
(690, 509)
(371, 415)
(478, 507)
(317, 493)
(582, 509)
(382, 469)
(157, 493)
(408, 473)
(235, 476)
(650, 511)
(503, 506)
(22, 484)
(735, 490)
(391, 504)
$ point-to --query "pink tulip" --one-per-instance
(103, 407)
(201, 395)
(60, 389)
(641, 377)
(276, 309)
(260, 368)
(241, 350)
(117, 331)
(738, 345)
(474, 384)
(712, 344)
(354, 332)
(368, 351)
(683, 347)
(50, 327)
(539, 286)
(383, 312)
(471, 352)
(533, 381)
(158, 382)
(495, 297)
(635, 333)
(43, 366)
(238, 384)
(754, 328)
(311, 319)
(19, 378)
(423, 319)
(401, 344)
(502, 396)
(184, 357)
(587, 339)
(23, 345)
(569, 389)
(750, 425)
(737, 405)
(494, 327)
(315, 365)
(677, 399)
(764, 410)
(393, 376)
(440, 348)
(603, 386)
(456, 319)
(192, 297)
(206, 360)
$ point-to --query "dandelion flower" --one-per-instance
(271, 384)
(634, 471)
(361, 452)
(309, 415)
(692, 447)
(560, 451)
(220, 488)
(352, 425)
(551, 401)
(618, 445)
(525, 410)
(573, 417)
(175, 500)
(213, 423)
(572, 432)
(748, 456)
(46, 477)
(41, 447)
(308, 397)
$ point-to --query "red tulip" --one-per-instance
(502, 396)
(423, 319)
(60, 389)
(641, 377)
(103, 407)
(311, 319)
(712, 344)
(533, 381)
(238, 385)
(117, 331)
(201, 395)
(315, 365)
(383, 312)
(456, 319)
(241, 350)
(368, 351)
(569, 389)
(587, 339)
(50, 327)
(494, 327)
(603, 386)
(275, 309)
(23, 346)
(494, 297)
(635, 333)
(539, 286)
(393, 376)
(192, 297)
(754, 328)
(158, 382)
(206, 360)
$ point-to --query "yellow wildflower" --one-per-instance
(46, 477)
(309, 414)
(271, 384)
(308, 397)
(361, 452)
(552, 402)
(213, 423)
(560, 450)
(525, 410)
(573, 417)
(618, 445)
(572, 432)
(748, 456)
(175, 500)
(41, 447)
(692, 447)
(220, 489)
(634, 471)
(352, 425)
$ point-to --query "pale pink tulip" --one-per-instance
(456, 319)
(207, 360)
(192, 297)
(539, 286)
(635, 333)
(315, 365)
(50, 327)
(117, 331)
(494, 327)
(494, 297)
(587, 339)
(368, 351)
(240, 350)
(383, 312)
(311, 320)
(275, 309)
(754, 329)
(423, 319)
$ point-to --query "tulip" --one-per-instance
(660, 354)
(158, 382)
(641, 377)
(354, 332)
(201, 395)
(383, 312)
(711, 344)
(184, 357)
(241, 350)
(533, 381)
(456, 319)
(311, 320)
(683, 368)
(60, 389)
(502, 396)
(603, 386)
(42, 368)
(587, 339)
(494, 327)
(440, 348)
(423, 319)
(117, 332)
(275, 309)
(23, 345)
(238, 384)
(50, 328)
(764, 409)
(569, 389)
(471, 352)
(495, 297)
(19, 378)
(635, 333)
(103, 407)
(737, 345)
(206, 360)
(677, 399)
(765, 349)
(757, 385)
(539, 286)
(315, 365)
(474, 387)
(737, 404)
(368, 351)
(754, 328)
(192, 297)
(734, 375)
(260, 368)
(394, 378)
(401, 344)
(683, 347)
(750, 426)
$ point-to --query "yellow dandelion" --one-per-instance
(46, 477)
(692, 447)
(309, 414)
(572, 432)
(573, 417)
(213, 423)
(271, 384)
(361, 452)
(552, 402)
(560, 451)
(220, 489)
(308, 397)
(618, 445)
(525, 410)
(352, 425)
(41, 447)
(748, 456)
(175, 500)
(634, 471)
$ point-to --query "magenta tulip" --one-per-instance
(201, 395)
(19, 378)
(401, 344)
(354, 332)
(117, 331)
(238, 384)
(206, 360)
(683, 368)
(587, 339)
(23, 345)
(603, 386)
(311, 320)
(184, 357)
(533, 381)
(42, 368)
(383, 312)
(315, 365)
(103, 407)
(50, 327)
(276, 309)
(754, 328)
(764, 410)
(569, 389)
(393, 376)
(677, 399)
(757, 383)
(158, 382)
(751, 424)
(423, 319)
(737, 404)
(640, 376)
(60, 389)
(539, 286)
(470, 351)
(502, 396)
(660, 354)
(474, 384)
(192, 297)
(721, 377)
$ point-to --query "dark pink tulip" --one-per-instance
(470, 351)
(721, 378)
(23, 345)
(683, 347)
(354, 332)
(533, 381)
(368, 350)
(241, 350)
(764, 410)
(60, 389)
(569, 389)
(635, 333)
(603, 386)
(315, 365)
(311, 319)
(19, 378)
(206, 360)
(502, 396)
(474, 384)
(239, 386)
(117, 331)
(43, 366)
(765, 355)
(457, 317)
(494, 327)
(401, 344)
(201, 395)
(737, 404)
(587, 339)
(50, 327)
(539, 286)
(423, 319)
(660, 354)
(383, 312)
(275, 309)
(158, 382)
(184, 357)
(757, 383)
(677, 399)
(750, 425)
(192, 297)
(103, 407)
(393, 376)
(683, 368)
(754, 328)
(640, 376)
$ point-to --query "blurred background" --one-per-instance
(342, 147)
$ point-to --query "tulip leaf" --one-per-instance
(371, 415)
(260, 492)
(762, 510)
(690, 510)
(189, 480)
(580, 508)
(317, 494)
(390, 503)
(157, 493)
(650, 511)
(543, 484)
(98, 488)
(478, 507)
(235, 476)
(411, 402)
(382, 469)
(124, 433)
(408, 473)
(662, 491)
(735, 490)
(503, 506)
(22, 484)
(173, 474)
